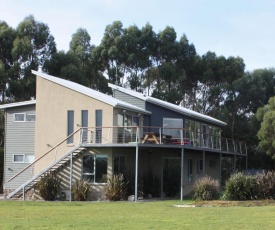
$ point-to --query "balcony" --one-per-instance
(170, 137)
(131, 136)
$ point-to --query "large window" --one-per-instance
(215, 137)
(199, 167)
(24, 117)
(23, 158)
(173, 127)
(190, 170)
(127, 133)
(119, 164)
(95, 168)
(192, 132)
(203, 135)
(127, 120)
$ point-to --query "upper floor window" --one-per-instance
(24, 117)
(23, 158)
(172, 126)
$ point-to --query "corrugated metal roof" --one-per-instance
(190, 113)
(90, 93)
(16, 104)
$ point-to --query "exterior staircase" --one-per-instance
(54, 167)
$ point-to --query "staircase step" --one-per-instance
(60, 163)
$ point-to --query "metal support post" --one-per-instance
(181, 173)
(71, 175)
(203, 163)
(161, 179)
(220, 170)
(136, 175)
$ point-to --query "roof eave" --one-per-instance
(213, 120)
(133, 109)
(17, 104)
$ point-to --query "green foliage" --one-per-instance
(206, 188)
(151, 184)
(266, 185)
(241, 187)
(171, 177)
(129, 179)
(49, 186)
(81, 190)
(266, 134)
(116, 188)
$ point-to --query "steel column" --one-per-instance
(220, 170)
(203, 163)
(181, 173)
(161, 179)
(136, 175)
(71, 175)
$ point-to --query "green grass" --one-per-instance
(130, 215)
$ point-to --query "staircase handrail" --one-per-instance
(54, 147)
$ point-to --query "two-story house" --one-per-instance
(81, 133)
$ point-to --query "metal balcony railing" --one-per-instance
(160, 135)
(126, 135)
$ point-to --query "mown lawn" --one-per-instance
(130, 215)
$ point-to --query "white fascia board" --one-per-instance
(90, 92)
(134, 109)
(190, 113)
(168, 105)
(17, 104)
(127, 91)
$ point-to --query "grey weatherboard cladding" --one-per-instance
(18, 134)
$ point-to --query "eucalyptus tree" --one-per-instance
(266, 134)
(81, 46)
(113, 51)
(32, 46)
(66, 66)
(140, 45)
(165, 59)
(7, 36)
(188, 66)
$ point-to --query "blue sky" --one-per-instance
(242, 28)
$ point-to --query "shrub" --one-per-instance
(116, 188)
(49, 186)
(129, 180)
(151, 184)
(266, 185)
(81, 189)
(241, 187)
(206, 188)
(171, 182)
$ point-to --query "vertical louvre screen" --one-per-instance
(70, 126)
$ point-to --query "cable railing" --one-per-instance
(147, 135)
(160, 135)
(46, 159)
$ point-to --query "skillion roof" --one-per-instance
(91, 93)
(17, 104)
(188, 112)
